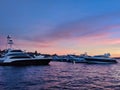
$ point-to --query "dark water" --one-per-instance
(61, 76)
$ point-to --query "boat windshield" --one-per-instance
(17, 54)
(16, 51)
(101, 56)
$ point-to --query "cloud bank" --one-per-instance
(91, 32)
(90, 28)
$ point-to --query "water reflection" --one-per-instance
(60, 75)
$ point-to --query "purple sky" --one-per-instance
(62, 26)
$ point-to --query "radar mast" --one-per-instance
(9, 42)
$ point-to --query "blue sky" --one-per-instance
(51, 23)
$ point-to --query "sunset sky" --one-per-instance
(62, 26)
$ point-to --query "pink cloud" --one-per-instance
(90, 27)
(88, 32)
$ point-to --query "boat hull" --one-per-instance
(26, 62)
(101, 61)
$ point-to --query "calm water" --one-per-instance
(61, 76)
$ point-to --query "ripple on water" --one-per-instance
(61, 76)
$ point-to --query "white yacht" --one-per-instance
(18, 57)
(100, 59)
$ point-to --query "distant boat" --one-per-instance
(71, 58)
(100, 59)
(18, 57)
(76, 59)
